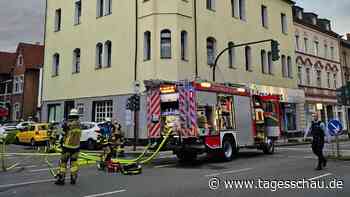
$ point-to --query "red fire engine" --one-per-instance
(212, 118)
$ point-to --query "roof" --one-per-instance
(7, 61)
(33, 55)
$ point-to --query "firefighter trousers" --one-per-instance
(69, 155)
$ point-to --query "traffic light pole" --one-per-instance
(231, 47)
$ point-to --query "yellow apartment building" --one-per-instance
(96, 49)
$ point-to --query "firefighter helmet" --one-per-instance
(73, 113)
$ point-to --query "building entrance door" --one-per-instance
(68, 105)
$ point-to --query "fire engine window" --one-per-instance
(225, 113)
(206, 120)
(269, 107)
(170, 108)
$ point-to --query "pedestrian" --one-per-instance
(70, 148)
(318, 132)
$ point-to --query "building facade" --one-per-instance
(345, 64)
(318, 62)
(7, 61)
(95, 50)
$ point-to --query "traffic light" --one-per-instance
(136, 102)
(129, 104)
(275, 51)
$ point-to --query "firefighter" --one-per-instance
(318, 132)
(53, 135)
(118, 138)
(70, 148)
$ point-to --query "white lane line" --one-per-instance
(164, 166)
(107, 193)
(318, 177)
(27, 183)
(40, 170)
(229, 172)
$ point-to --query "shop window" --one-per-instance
(55, 113)
(102, 110)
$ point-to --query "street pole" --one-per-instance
(3, 155)
(231, 47)
(136, 128)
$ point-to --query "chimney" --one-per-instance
(348, 36)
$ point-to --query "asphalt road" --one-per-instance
(166, 177)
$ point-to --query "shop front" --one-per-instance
(292, 107)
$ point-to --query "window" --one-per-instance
(211, 4)
(284, 66)
(99, 7)
(300, 75)
(76, 61)
(80, 108)
(332, 53)
(242, 12)
(326, 51)
(55, 113)
(235, 8)
(231, 55)
(318, 78)
(58, 20)
(264, 16)
(316, 48)
(20, 60)
(102, 110)
(297, 42)
(264, 68)
(329, 79)
(18, 84)
(184, 43)
(270, 62)
(248, 58)
(308, 77)
(345, 58)
(290, 67)
(306, 45)
(165, 44)
(99, 51)
(55, 64)
(108, 54)
(284, 23)
(77, 15)
(335, 81)
(17, 111)
(147, 46)
(108, 7)
(211, 50)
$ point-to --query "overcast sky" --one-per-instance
(23, 20)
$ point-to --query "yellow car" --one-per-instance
(33, 134)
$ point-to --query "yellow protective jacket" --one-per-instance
(72, 135)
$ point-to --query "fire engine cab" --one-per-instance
(212, 118)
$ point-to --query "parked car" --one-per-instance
(23, 125)
(89, 134)
(33, 134)
(10, 126)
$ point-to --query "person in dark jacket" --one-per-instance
(318, 132)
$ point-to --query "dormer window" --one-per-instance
(20, 60)
(314, 21)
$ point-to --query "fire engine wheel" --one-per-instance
(228, 149)
(269, 147)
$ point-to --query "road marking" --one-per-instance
(44, 169)
(107, 193)
(164, 166)
(27, 183)
(229, 172)
(318, 177)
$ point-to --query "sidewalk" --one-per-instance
(280, 142)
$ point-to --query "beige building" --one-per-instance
(318, 61)
(345, 64)
(96, 49)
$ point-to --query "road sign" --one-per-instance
(335, 127)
